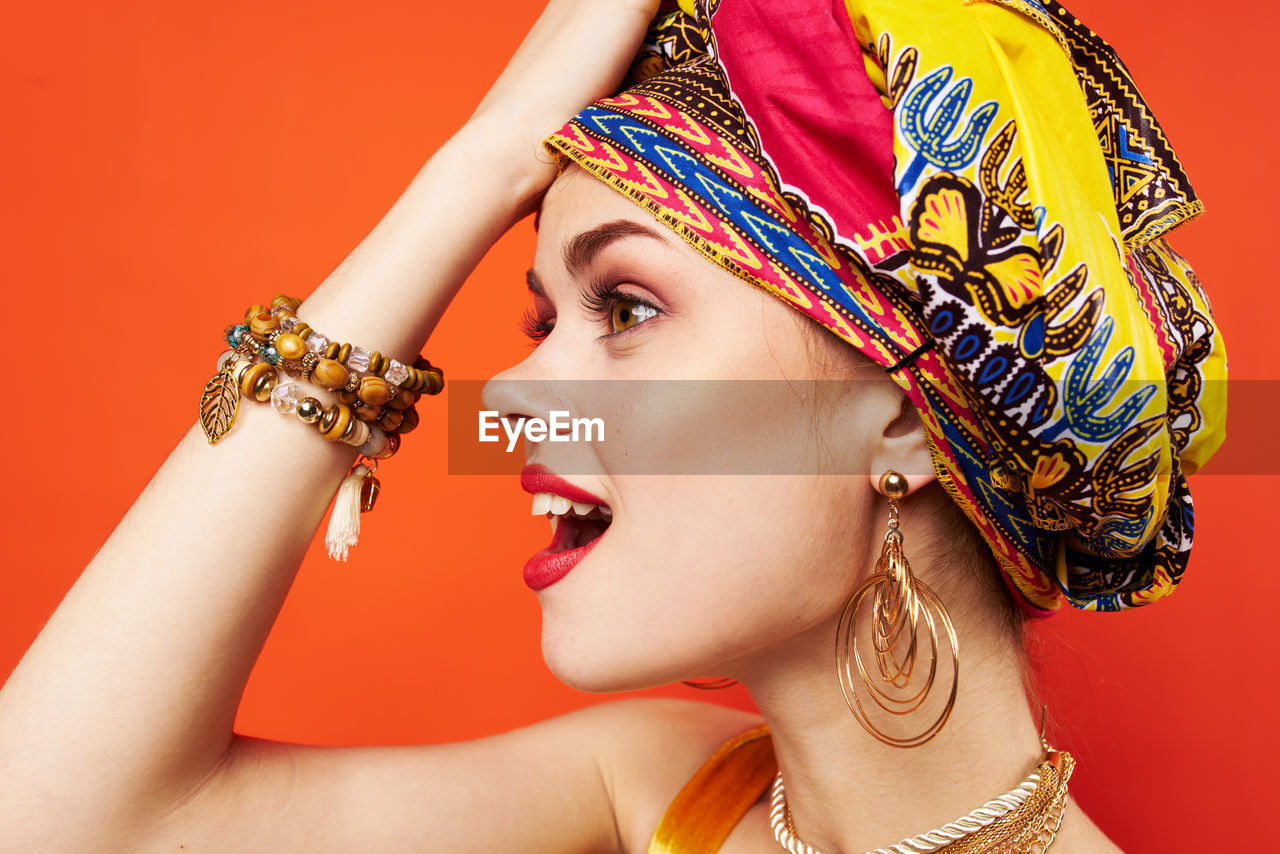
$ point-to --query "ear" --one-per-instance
(902, 447)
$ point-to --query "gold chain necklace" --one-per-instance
(997, 827)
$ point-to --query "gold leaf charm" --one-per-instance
(219, 405)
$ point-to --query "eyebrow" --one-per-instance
(583, 248)
(535, 284)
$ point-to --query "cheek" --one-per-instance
(701, 571)
(723, 502)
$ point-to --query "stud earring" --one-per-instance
(902, 608)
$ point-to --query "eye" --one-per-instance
(619, 310)
(627, 313)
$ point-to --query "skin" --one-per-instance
(120, 715)
(604, 624)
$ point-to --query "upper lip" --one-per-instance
(538, 478)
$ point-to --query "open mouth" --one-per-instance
(573, 523)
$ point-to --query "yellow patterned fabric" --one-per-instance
(1015, 113)
(974, 196)
(716, 798)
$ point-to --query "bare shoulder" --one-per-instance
(649, 748)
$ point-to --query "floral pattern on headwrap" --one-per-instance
(974, 196)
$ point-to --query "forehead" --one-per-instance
(580, 214)
(577, 200)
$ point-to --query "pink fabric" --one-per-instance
(798, 72)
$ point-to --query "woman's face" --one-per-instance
(719, 413)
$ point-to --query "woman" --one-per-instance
(611, 771)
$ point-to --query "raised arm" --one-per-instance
(116, 727)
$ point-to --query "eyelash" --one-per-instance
(599, 299)
(535, 328)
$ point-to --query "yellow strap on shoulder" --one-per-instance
(716, 798)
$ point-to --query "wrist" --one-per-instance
(505, 155)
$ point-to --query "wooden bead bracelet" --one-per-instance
(378, 389)
(376, 394)
(294, 339)
(335, 423)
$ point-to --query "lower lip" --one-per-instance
(547, 567)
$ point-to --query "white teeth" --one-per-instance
(546, 503)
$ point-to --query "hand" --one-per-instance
(577, 52)
(428, 243)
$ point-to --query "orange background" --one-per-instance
(167, 164)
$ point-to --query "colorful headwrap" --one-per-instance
(972, 194)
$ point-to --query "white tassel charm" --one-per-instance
(357, 494)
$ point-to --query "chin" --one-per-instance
(601, 668)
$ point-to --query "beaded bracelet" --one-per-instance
(335, 423)
(371, 388)
(295, 340)
(283, 340)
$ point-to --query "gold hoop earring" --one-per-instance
(902, 605)
(710, 684)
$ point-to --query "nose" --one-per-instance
(523, 391)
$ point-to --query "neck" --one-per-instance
(849, 793)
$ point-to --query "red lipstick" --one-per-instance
(549, 566)
(575, 536)
(539, 478)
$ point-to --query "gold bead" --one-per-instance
(335, 422)
(344, 353)
(435, 381)
(357, 434)
(263, 385)
(377, 363)
(302, 330)
(353, 424)
(282, 300)
(893, 484)
(251, 377)
(392, 418)
(290, 346)
(331, 351)
(309, 410)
